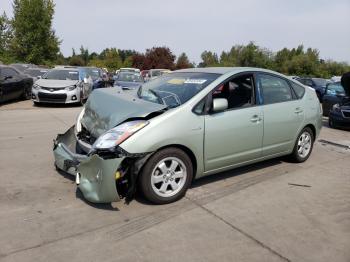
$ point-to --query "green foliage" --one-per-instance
(33, 39)
(295, 61)
(6, 35)
(183, 62)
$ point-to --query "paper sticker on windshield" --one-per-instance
(73, 72)
(195, 81)
(176, 81)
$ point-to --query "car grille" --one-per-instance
(58, 98)
(346, 113)
(51, 89)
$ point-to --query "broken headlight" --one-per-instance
(117, 135)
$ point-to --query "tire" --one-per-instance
(303, 147)
(331, 123)
(166, 176)
(36, 103)
(27, 93)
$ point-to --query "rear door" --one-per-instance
(283, 114)
(234, 136)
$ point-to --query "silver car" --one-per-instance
(63, 85)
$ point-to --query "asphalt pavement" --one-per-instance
(271, 211)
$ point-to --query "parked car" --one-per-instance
(13, 84)
(154, 73)
(319, 84)
(99, 81)
(63, 85)
(183, 126)
(337, 101)
(36, 72)
(334, 94)
(128, 80)
(21, 67)
(129, 69)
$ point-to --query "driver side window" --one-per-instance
(239, 91)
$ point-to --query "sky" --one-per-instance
(192, 26)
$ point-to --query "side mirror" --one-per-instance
(39, 77)
(219, 105)
(8, 77)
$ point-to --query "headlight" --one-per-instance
(36, 87)
(70, 88)
(336, 108)
(117, 135)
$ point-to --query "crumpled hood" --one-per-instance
(56, 83)
(108, 107)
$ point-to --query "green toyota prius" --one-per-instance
(182, 126)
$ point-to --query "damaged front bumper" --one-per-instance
(96, 175)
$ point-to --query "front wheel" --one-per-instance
(166, 176)
(303, 146)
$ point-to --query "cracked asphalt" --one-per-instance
(271, 211)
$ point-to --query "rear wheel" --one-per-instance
(166, 176)
(303, 146)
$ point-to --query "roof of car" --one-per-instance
(223, 70)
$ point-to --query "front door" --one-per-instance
(234, 136)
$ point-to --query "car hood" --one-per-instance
(56, 83)
(108, 107)
(127, 84)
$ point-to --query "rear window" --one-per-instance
(298, 89)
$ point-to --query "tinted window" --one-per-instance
(335, 89)
(298, 89)
(238, 91)
(274, 89)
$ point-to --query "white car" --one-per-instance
(63, 85)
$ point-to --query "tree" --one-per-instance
(5, 37)
(159, 57)
(183, 62)
(34, 40)
(209, 59)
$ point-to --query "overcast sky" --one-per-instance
(193, 26)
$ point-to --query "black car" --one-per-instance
(14, 84)
(336, 105)
(319, 84)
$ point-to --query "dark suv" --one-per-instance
(319, 84)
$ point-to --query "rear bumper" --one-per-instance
(96, 175)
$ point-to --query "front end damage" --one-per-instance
(102, 177)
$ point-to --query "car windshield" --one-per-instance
(35, 72)
(129, 77)
(176, 88)
(57, 74)
(320, 81)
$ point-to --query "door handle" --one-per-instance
(255, 119)
(298, 110)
